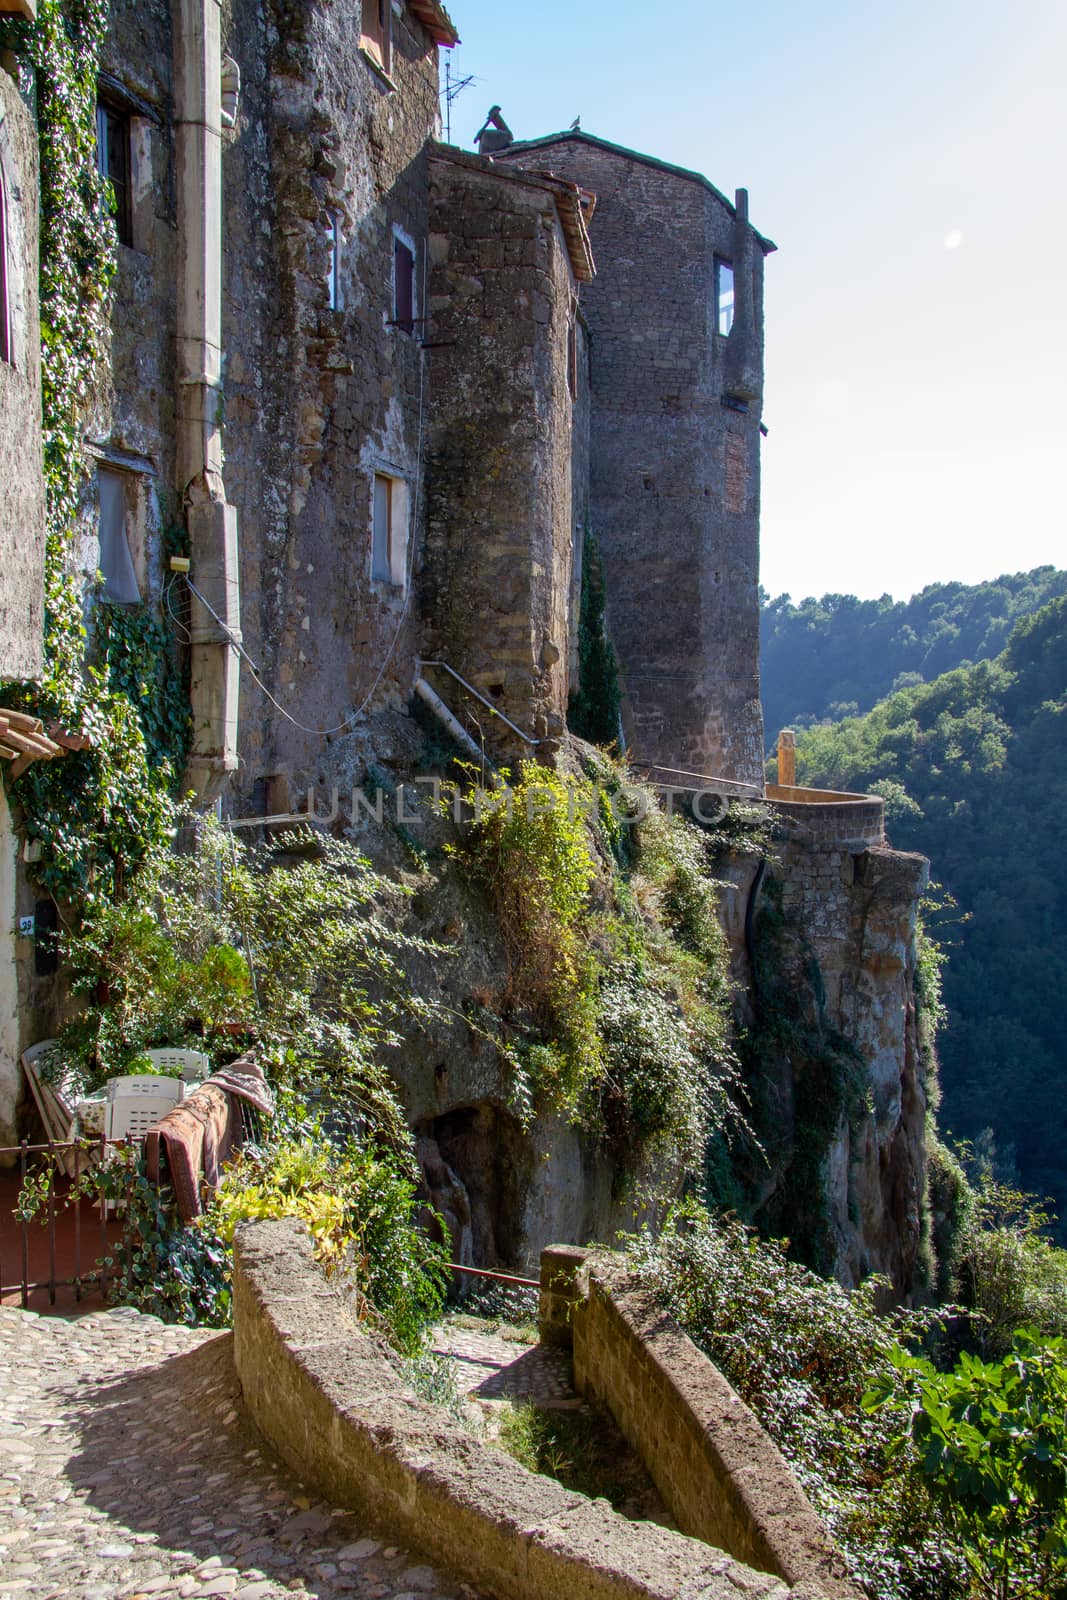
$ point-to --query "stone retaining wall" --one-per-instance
(337, 1412)
(722, 1477)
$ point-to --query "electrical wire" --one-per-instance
(243, 653)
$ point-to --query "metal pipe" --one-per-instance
(431, 698)
(497, 1277)
(533, 743)
(214, 634)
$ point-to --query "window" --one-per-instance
(5, 308)
(113, 163)
(378, 31)
(389, 530)
(403, 282)
(724, 295)
(121, 587)
(333, 281)
(572, 357)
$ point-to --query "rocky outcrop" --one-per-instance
(835, 1070)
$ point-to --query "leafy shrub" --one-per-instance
(803, 1352)
(303, 959)
(991, 1442)
(359, 1209)
(530, 847)
(1006, 1269)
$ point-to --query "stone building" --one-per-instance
(676, 321)
(22, 545)
(382, 389)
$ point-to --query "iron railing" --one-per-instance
(57, 1231)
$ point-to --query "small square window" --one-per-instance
(113, 163)
(724, 296)
(117, 566)
(389, 530)
(377, 31)
(403, 283)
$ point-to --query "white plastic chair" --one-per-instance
(194, 1065)
(136, 1103)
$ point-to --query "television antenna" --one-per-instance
(452, 90)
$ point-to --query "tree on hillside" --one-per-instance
(972, 767)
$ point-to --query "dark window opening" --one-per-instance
(403, 285)
(45, 939)
(113, 163)
(572, 359)
(5, 309)
(378, 30)
(724, 296)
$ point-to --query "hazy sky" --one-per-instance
(910, 161)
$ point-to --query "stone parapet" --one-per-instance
(338, 1413)
(721, 1475)
(828, 817)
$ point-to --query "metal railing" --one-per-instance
(57, 1229)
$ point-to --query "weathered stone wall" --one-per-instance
(497, 583)
(338, 1414)
(722, 1477)
(674, 476)
(849, 929)
(317, 397)
(22, 508)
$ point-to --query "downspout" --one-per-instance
(212, 521)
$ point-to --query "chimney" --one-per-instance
(494, 135)
(787, 759)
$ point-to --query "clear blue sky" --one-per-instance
(910, 160)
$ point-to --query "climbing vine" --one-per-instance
(97, 813)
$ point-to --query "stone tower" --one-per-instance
(675, 318)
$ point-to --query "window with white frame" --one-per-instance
(389, 530)
(377, 31)
(405, 309)
(118, 537)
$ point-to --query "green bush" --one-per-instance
(991, 1444)
(803, 1352)
(305, 960)
(359, 1208)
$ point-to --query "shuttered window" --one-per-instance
(403, 285)
(389, 530)
(377, 30)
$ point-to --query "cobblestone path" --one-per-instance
(126, 1469)
(490, 1366)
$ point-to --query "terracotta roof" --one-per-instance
(436, 20)
(579, 136)
(574, 205)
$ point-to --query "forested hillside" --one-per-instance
(838, 656)
(974, 767)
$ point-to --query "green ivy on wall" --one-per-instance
(98, 813)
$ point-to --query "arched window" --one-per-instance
(5, 301)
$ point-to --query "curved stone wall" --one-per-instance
(337, 1412)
